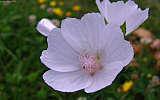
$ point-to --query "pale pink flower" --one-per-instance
(85, 54)
(146, 40)
(82, 98)
(49, 10)
(120, 12)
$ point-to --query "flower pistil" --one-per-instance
(90, 63)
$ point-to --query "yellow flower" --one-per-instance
(149, 75)
(41, 1)
(53, 3)
(61, 3)
(76, 8)
(58, 11)
(127, 86)
(68, 14)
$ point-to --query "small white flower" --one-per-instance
(55, 22)
(85, 54)
(32, 19)
(120, 12)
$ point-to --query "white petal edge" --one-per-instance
(45, 26)
(59, 55)
(116, 13)
(67, 82)
(102, 5)
(113, 12)
(136, 19)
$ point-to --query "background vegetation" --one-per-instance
(21, 46)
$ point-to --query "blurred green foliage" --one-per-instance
(21, 46)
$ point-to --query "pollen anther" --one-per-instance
(92, 74)
(84, 67)
(98, 58)
(100, 67)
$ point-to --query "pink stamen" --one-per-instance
(90, 63)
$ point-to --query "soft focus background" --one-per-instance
(21, 46)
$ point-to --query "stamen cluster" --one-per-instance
(90, 63)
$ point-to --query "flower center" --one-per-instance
(90, 63)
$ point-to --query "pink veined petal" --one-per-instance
(116, 13)
(67, 82)
(83, 34)
(135, 19)
(60, 56)
(104, 77)
(73, 32)
(115, 47)
(109, 34)
(45, 26)
(113, 12)
(94, 25)
(120, 50)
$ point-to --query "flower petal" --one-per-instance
(104, 77)
(120, 12)
(130, 5)
(82, 34)
(109, 34)
(72, 31)
(116, 48)
(120, 50)
(113, 12)
(94, 26)
(60, 56)
(45, 26)
(67, 82)
(102, 6)
(135, 19)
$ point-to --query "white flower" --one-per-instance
(120, 12)
(85, 54)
